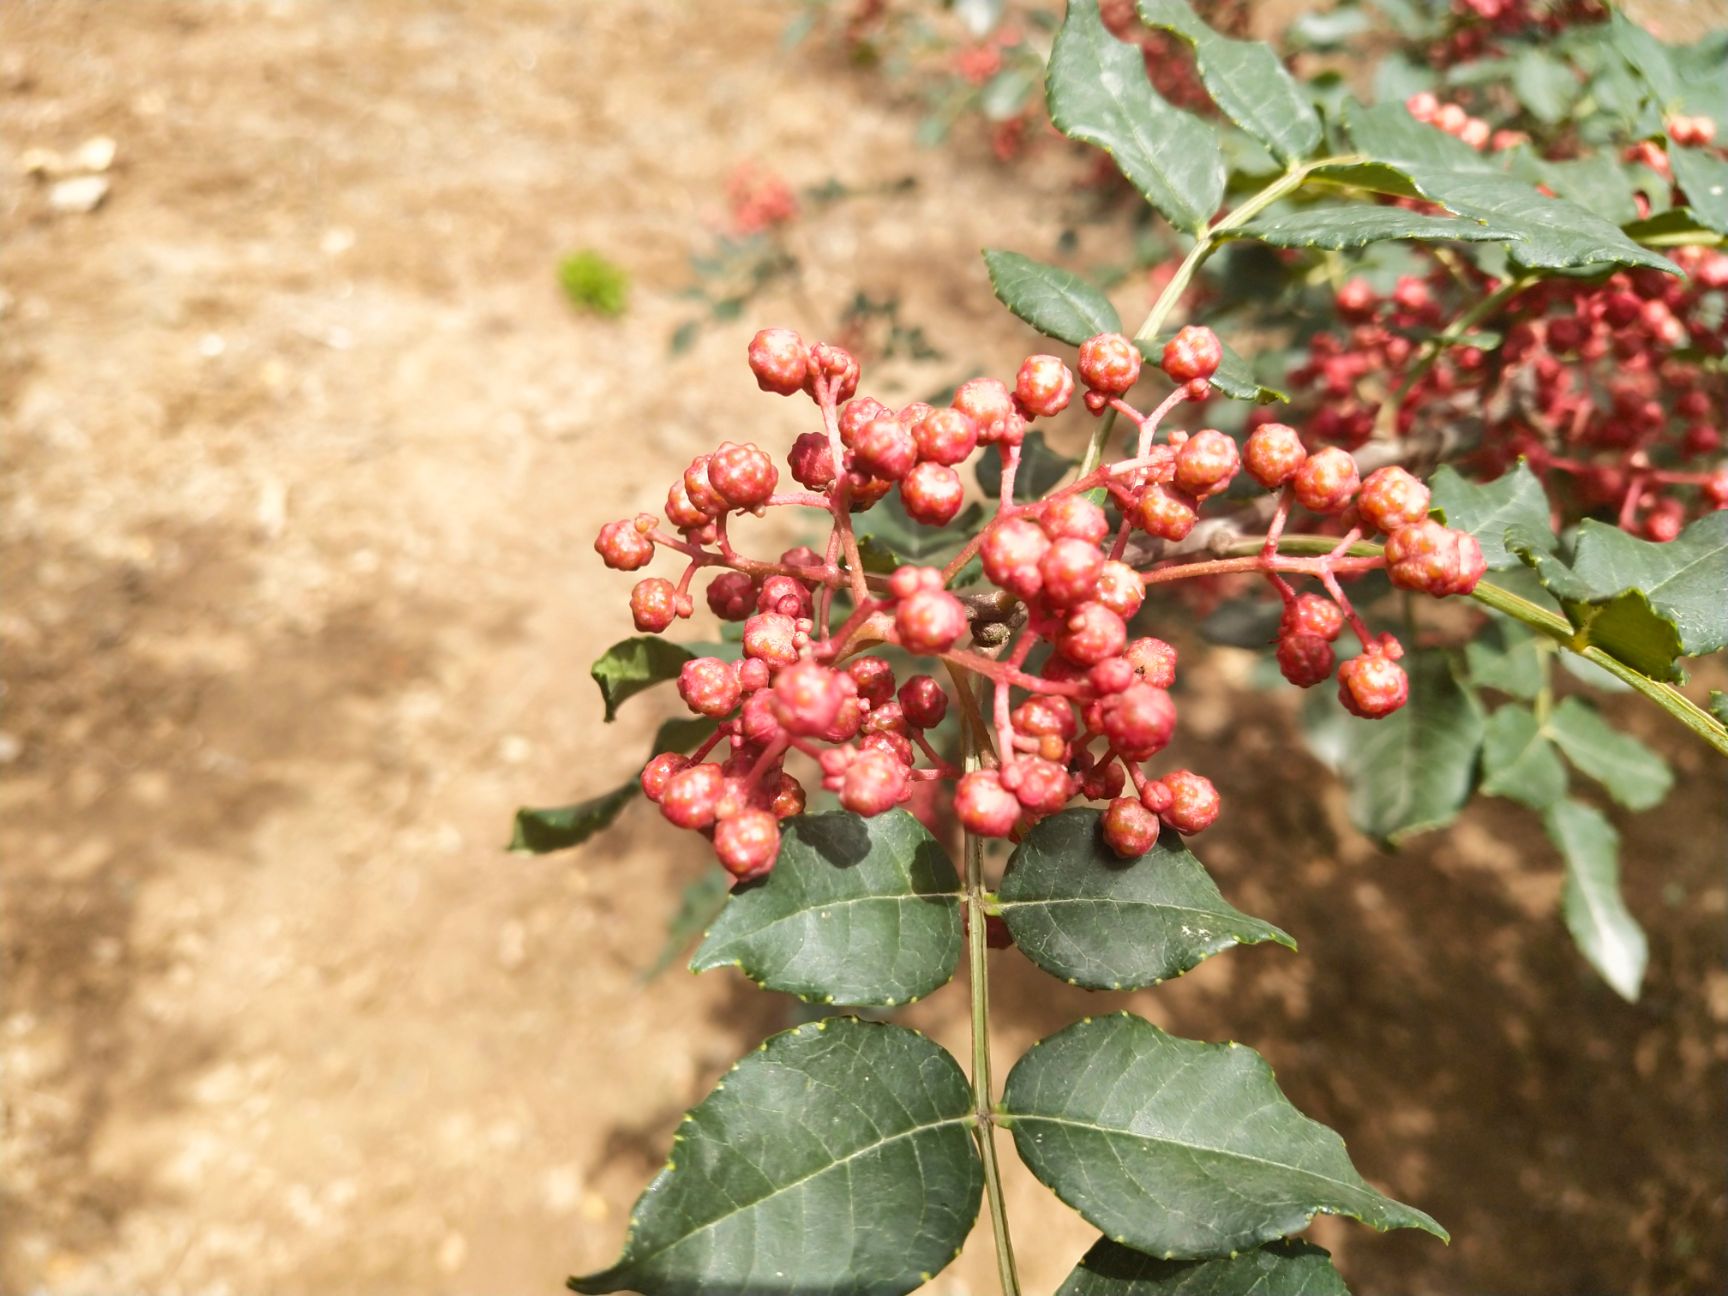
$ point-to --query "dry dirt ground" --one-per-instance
(303, 458)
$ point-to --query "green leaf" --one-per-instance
(1671, 228)
(1595, 912)
(895, 540)
(1338, 228)
(1634, 775)
(1412, 158)
(1041, 469)
(560, 827)
(836, 1157)
(855, 911)
(1597, 182)
(1098, 93)
(594, 283)
(1485, 511)
(1085, 915)
(1056, 302)
(1646, 603)
(1545, 85)
(1518, 760)
(1506, 659)
(1719, 705)
(1412, 771)
(1647, 57)
(1703, 178)
(631, 665)
(1290, 1268)
(1246, 80)
(1234, 378)
(556, 828)
(1178, 1148)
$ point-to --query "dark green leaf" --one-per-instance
(561, 827)
(1413, 770)
(1178, 1148)
(1719, 705)
(1597, 182)
(1506, 659)
(1098, 93)
(1337, 228)
(1056, 302)
(1081, 913)
(855, 911)
(836, 1157)
(628, 667)
(1703, 178)
(1634, 775)
(1246, 80)
(1412, 158)
(1291, 1268)
(1595, 912)
(698, 905)
(1515, 498)
(1518, 760)
(1644, 602)
(1041, 469)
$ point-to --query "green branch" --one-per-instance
(978, 974)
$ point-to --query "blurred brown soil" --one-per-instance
(304, 455)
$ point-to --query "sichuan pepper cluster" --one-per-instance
(1057, 696)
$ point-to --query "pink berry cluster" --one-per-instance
(1457, 122)
(1479, 28)
(758, 199)
(1613, 390)
(1081, 720)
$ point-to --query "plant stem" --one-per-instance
(983, 1091)
(1204, 246)
(1556, 628)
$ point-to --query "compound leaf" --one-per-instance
(855, 911)
(1056, 302)
(1486, 510)
(1412, 771)
(1081, 913)
(631, 665)
(1519, 761)
(1605, 930)
(1178, 1148)
(1246, 80)
(1348, 226)
(1099, 94)
(1634, 775)
(836, 1157)
(1288, 1268)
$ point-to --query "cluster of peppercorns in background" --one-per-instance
(1608, 389)
(1083, 716)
